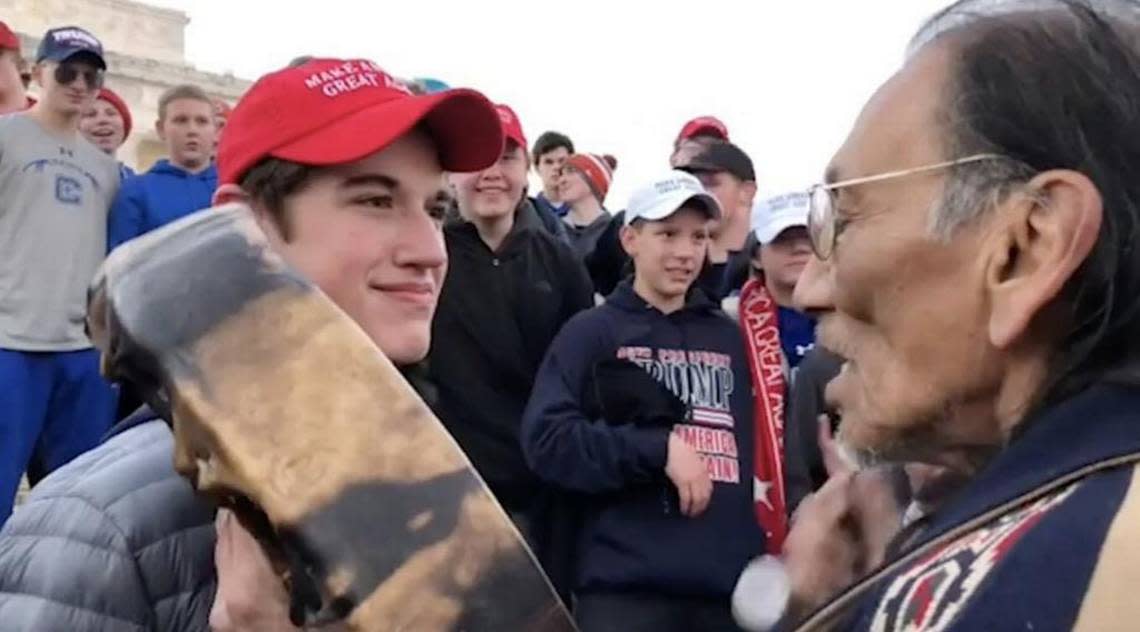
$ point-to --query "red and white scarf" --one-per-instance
(759, 320)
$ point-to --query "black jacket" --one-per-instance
(497, 314)
(607, 263)
(803, 463)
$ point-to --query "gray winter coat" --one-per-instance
(112, 541)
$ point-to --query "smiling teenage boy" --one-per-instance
(349, 188)
(668, 521)
(107, 124)
(511, 287)
(55, 189)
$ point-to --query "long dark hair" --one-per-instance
(1056, 85)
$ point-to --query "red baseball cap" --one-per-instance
(512, 128)
(8, 39)
(709, 125)
(333, 111)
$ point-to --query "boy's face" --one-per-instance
(668, 254)
(734, 195)
(73, 96)
(496, 191)
(572, 186)
(784, 259)
(550, 167)
(103, 126)
(188, 129)
(368, 233)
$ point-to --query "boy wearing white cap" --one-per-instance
(642, 406)
(776, 338)
(780, 225)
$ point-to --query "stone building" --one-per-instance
(145, 51)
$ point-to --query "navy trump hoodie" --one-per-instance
(633, 537)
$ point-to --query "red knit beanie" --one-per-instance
(119, 104)
(598, 170)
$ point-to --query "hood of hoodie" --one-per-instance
(165, 168)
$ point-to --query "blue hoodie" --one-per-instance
(633, 537)
(156, 198)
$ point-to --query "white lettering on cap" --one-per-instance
(351, 76)
(675, 184)
(788, 200)
(75, 34)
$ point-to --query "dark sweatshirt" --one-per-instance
(497, 314)
(583, 239)
(803, 463)
(633, 536)
(608, 263)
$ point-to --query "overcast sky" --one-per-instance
(618, 76)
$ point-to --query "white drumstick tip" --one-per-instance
(761, 594)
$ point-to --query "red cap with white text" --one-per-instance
(512, 127)
(334, 111)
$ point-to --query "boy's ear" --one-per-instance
(628, 236)
(229, 193)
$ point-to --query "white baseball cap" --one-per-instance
(666, 194)
(773, 216)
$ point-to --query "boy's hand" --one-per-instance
(689, 474)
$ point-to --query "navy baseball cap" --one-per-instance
(723, 157)
(61, 44)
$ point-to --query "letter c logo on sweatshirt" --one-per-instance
(68, 190)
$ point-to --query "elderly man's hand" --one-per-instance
(250, 594)
(839, 534)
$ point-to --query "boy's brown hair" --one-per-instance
(184, 91)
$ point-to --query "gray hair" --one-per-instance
(972, 190)
(1053, 84)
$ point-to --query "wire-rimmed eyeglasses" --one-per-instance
(823, 228)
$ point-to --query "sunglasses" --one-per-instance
(65, 74)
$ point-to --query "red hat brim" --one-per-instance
(463, 123)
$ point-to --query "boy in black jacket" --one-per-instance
(510, 287)
(668, 520)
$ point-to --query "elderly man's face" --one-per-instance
(906, 310)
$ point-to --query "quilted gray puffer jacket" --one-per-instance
(113, 541)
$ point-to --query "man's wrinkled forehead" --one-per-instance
(902, 125)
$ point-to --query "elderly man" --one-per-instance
(976, 269)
